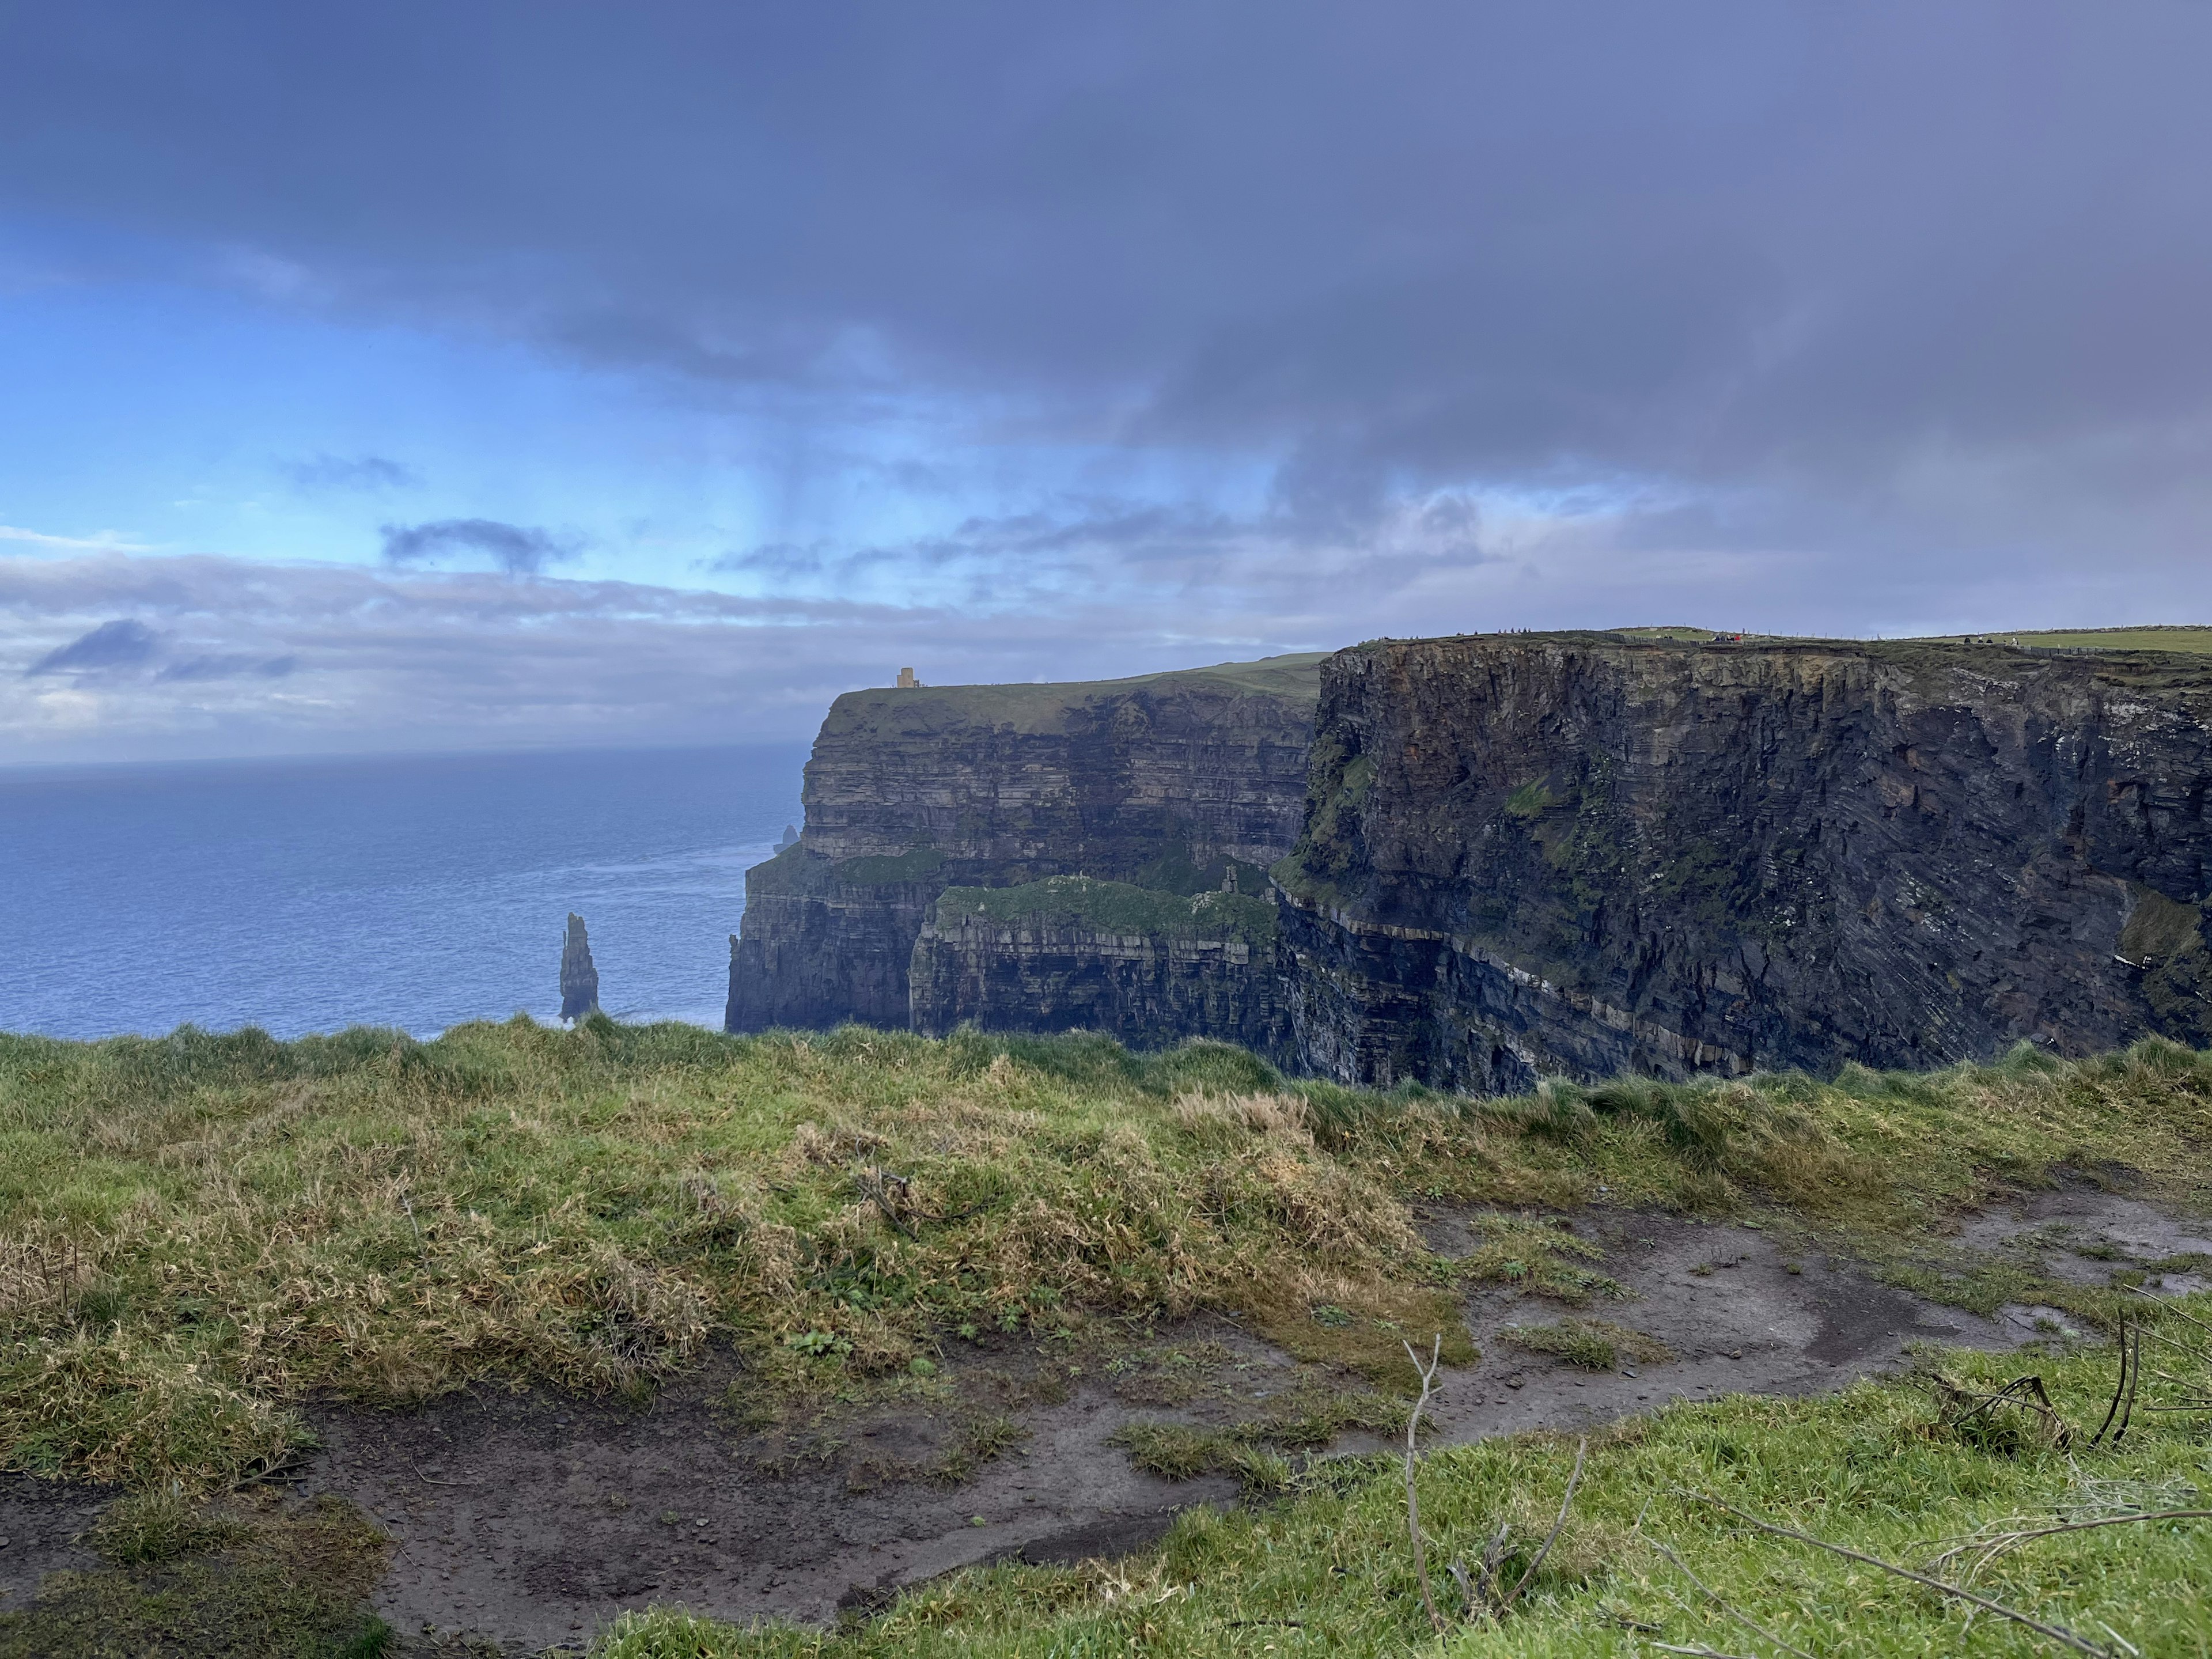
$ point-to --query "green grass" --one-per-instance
(200, 1233)
(2153, 636)
(1050, 707)
(1330, 1571)
(1594, 1345)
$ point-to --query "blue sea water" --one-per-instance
(307, 895)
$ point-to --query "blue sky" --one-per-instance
(549, 373)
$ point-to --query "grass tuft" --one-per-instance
(1594, 1345)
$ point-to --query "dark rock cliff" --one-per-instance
(1075, 954)
(1583, 854)
(580, 980)
(1168, 783)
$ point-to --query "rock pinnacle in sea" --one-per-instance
(580, 981)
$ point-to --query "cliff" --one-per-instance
(1075, 954)
(1586, 855)
(1167, 783)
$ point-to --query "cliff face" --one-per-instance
(1167, 783)
(1075, 954)
(1582, 854)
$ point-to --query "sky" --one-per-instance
(438, 376)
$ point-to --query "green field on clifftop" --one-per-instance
(201, 1233)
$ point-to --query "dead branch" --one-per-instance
(893, 1194)
(2124, 1387)
(1743, 1619)
(2170, 1307)
(2023, 1393)
(1550, 1538)
(1412, 1500)
(2002, 1543)
(2056, 1632)
(406, 1204)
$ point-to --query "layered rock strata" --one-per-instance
(1584, 854)
(1074, 953)
(1169, 782)
(1517, 856)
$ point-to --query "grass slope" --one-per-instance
(199, 1233)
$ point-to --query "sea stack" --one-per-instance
(580, 981)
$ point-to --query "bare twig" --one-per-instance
(2004, 1543)
(893, 1194)
(1412, 1500)
(1582, 1449)
(1468, 1603)
(2024, 1392)
(874, 1185)
(1743, 1619)
(2170, 1307)
(406, 1204)
(2056, 1633)
(2119, 1389)
(433, 1480)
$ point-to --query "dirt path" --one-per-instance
(530, 1521)
(40, 1522)
(533, 1520)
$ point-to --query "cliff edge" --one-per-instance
(1168, 783)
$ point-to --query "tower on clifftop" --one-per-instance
(906, 680)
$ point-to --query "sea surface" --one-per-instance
(308, 895)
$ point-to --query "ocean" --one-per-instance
(419, 892)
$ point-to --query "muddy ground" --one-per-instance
(525, 1523)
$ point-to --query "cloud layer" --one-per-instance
(1088, 339)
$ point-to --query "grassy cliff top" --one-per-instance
(2158, 636)
(1294, 679)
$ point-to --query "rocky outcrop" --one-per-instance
(1584, 854)
(580, 980)
(1073, 953)
(1169, 782)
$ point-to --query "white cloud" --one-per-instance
(106, 541)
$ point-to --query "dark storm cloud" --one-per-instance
(516, 548)
(1887, 281)
(120, 644)
(351, 472)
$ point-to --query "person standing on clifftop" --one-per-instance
(580, 980)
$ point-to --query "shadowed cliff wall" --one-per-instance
(1576, 854)
(1076, 953)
